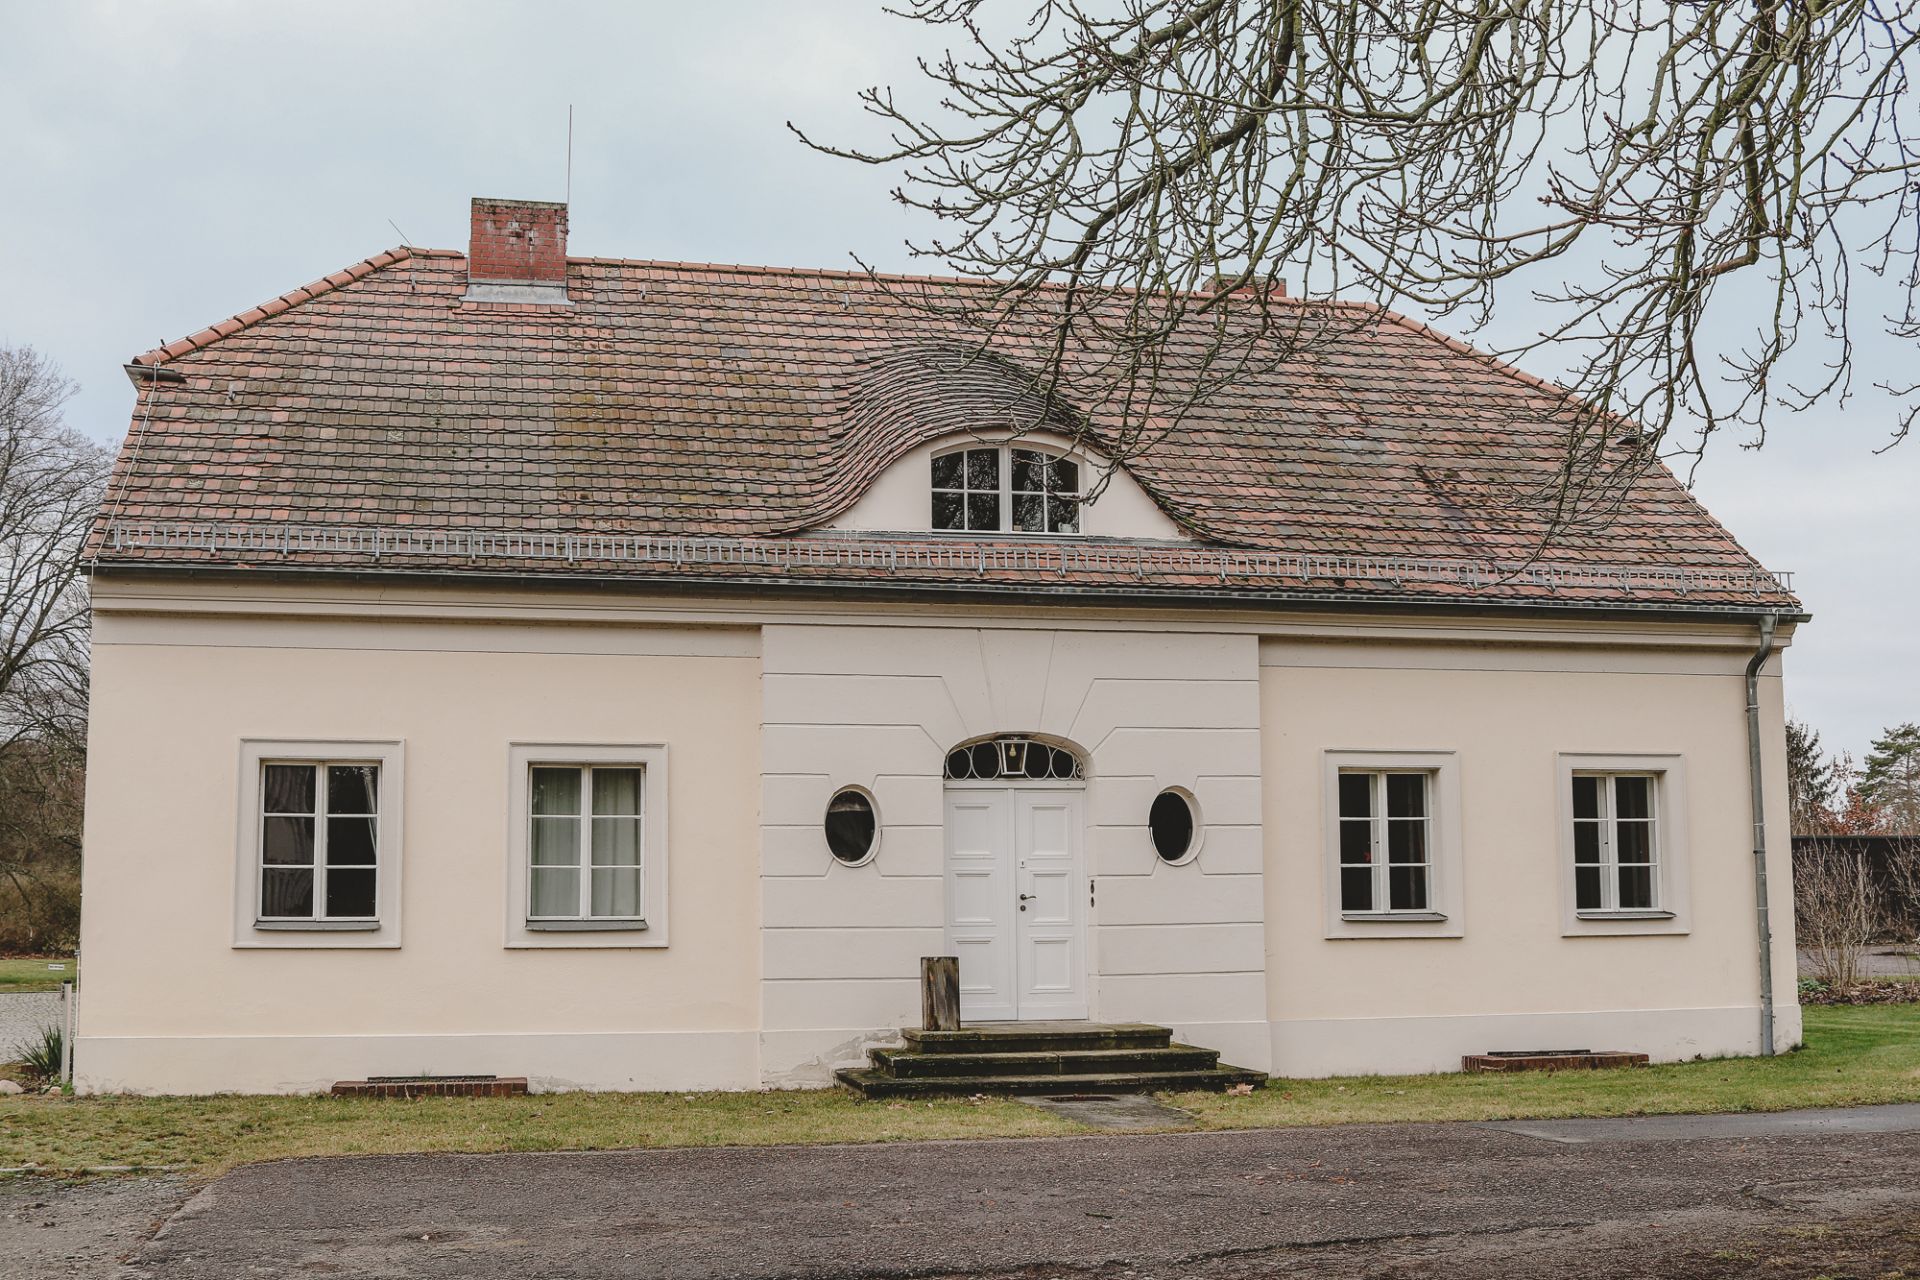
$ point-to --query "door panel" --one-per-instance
(1050, 960)
(980, 902)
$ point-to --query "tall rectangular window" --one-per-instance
(319, 840)
(1616, 842)
(584, 843)
(1386, 841)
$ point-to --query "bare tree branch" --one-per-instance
(1681, 189)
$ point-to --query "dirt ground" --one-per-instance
(1878, 1245)
(52, 1230)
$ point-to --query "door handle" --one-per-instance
(1025, 898)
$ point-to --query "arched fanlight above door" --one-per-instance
(1011, 758)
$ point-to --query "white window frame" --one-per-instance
(648, 932)
(381, 931)
(1672, 909)
(1444, 916)
(1005, 449)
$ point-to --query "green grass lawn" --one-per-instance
(30, 973)
(1853, 1055)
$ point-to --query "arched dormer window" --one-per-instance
(1005, 488)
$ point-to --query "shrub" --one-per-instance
(45, 1056)
(1837, 912)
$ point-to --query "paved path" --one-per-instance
(1529, 1200)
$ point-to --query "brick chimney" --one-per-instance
(518, 251)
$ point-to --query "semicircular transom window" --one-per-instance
(1012, 759)
(1005, 488)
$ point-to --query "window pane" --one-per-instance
(286, 892)
(1407, 888)
(1633, 797)
(616, 891)
(616, 792)
(1586, 797)
(353, 788)
(287, 788)
(1633, 842)
(949, 511)
(1636, 888)
(1356, 840)
(1586, 888)
(288, 841)
(1356, 795)
(556, 791)
(983, 511)
(1066, 476)
(350, 842)
(1406, 795)
(983, 469)
(616, 842)
(556, 892)
(1029, 513)
(850, 824)
(1356, 889)
(986, 759)
(1062, 764)
(1586, 842)
(1029, 471)
(947, 470)
(1063, 515)
(1170, 820)
(350, 893)
(556, 842)
(1406, 840)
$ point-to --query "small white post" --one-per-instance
(67, 1003)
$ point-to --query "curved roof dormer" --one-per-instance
(944, 437)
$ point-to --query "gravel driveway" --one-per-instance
(23, 1016)
(1708, 1197)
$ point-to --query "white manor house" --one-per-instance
(621, 674)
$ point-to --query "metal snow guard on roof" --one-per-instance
(886, 555)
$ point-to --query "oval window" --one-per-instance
(850, 825)
(1172, 823)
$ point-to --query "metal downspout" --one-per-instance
(1767, 624)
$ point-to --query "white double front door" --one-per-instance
(1017, 901)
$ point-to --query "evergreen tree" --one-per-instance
(1891, 779)
(1813, 781)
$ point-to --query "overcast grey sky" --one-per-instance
(167, 163)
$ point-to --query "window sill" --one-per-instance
(586, 926)
(1393, 917)
(1624, 915)
(317, 926)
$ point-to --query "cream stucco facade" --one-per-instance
(780, 962)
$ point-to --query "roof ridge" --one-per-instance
(285, 302)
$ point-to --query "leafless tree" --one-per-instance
(1684, 191)
(1837, 911)
(50, 484)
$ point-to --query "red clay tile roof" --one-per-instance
(704, 417)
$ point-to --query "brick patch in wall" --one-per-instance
(1551, 1060)
(432, 1087)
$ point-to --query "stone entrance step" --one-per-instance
(1041, 1058)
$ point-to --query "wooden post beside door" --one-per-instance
(940, 993)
